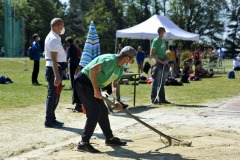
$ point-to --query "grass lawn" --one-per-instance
(22, 93)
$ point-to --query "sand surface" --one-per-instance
(213, 129)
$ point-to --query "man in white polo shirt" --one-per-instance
(55, 64)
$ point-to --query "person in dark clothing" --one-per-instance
(101, 71)
(72, 57)
(79, 47)
(36, 57)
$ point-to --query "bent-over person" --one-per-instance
(100, 72)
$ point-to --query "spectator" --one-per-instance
(197, 61)
(177, 52)
(220, 56)
(125, 66)
(79, 53)
(236, 63)
(65, 72)
(55, 65)
(36, 57)
(72, 57)
(159, 69)
(187, 70)
(140, 59)
(120, 47)
(171, 57)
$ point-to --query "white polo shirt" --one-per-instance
(53, 44)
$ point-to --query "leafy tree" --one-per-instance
(1, 10)
(201, 17)
(135, 12)
(232, 41)
(106, 15)
(75, 19)
(160, 7)
(1, 25)
(196, 16)
(37, 16)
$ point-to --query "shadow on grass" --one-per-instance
(122, 153)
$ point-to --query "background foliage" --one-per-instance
(207, 18)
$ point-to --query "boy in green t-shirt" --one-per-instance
(100, 72)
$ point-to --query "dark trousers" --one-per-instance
(35, 71)
(159, 75)
(96, 109)
(52, 97)
(72, 68)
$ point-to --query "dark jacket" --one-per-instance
(72, 54)
(36, 50)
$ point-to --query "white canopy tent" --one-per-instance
(148, 30)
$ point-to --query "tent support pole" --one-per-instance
(150, 42)
(115, 46)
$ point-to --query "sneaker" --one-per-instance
(115, 142)
(56, 121)
(39, 84)
(53, 125)
(86, 147)
(124, 106)
(165, 102)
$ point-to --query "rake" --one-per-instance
(168, 138)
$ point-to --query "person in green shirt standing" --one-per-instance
(100, 72)
(160, 68)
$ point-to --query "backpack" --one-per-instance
(184, 78)
(30, 53)
(172, 82)
(5, 80)
(231, 75)
(146, 67)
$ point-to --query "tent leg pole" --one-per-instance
(115, 46)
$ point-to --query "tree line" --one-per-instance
(210, 19)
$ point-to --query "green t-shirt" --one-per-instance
(160, 48)
(110, 69)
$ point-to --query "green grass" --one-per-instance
(22, 94)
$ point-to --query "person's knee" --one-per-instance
(94, 115)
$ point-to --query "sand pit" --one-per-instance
(213, 130)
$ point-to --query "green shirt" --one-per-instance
(110, 69)
(160, 48)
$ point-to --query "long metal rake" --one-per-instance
(168, 138)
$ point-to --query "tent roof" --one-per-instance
(148, 30)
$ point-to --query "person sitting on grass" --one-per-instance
(187, 70)
(236, 63)
(200, 72)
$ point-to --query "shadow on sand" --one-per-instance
(123, 153)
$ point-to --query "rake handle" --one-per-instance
(143, 123)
